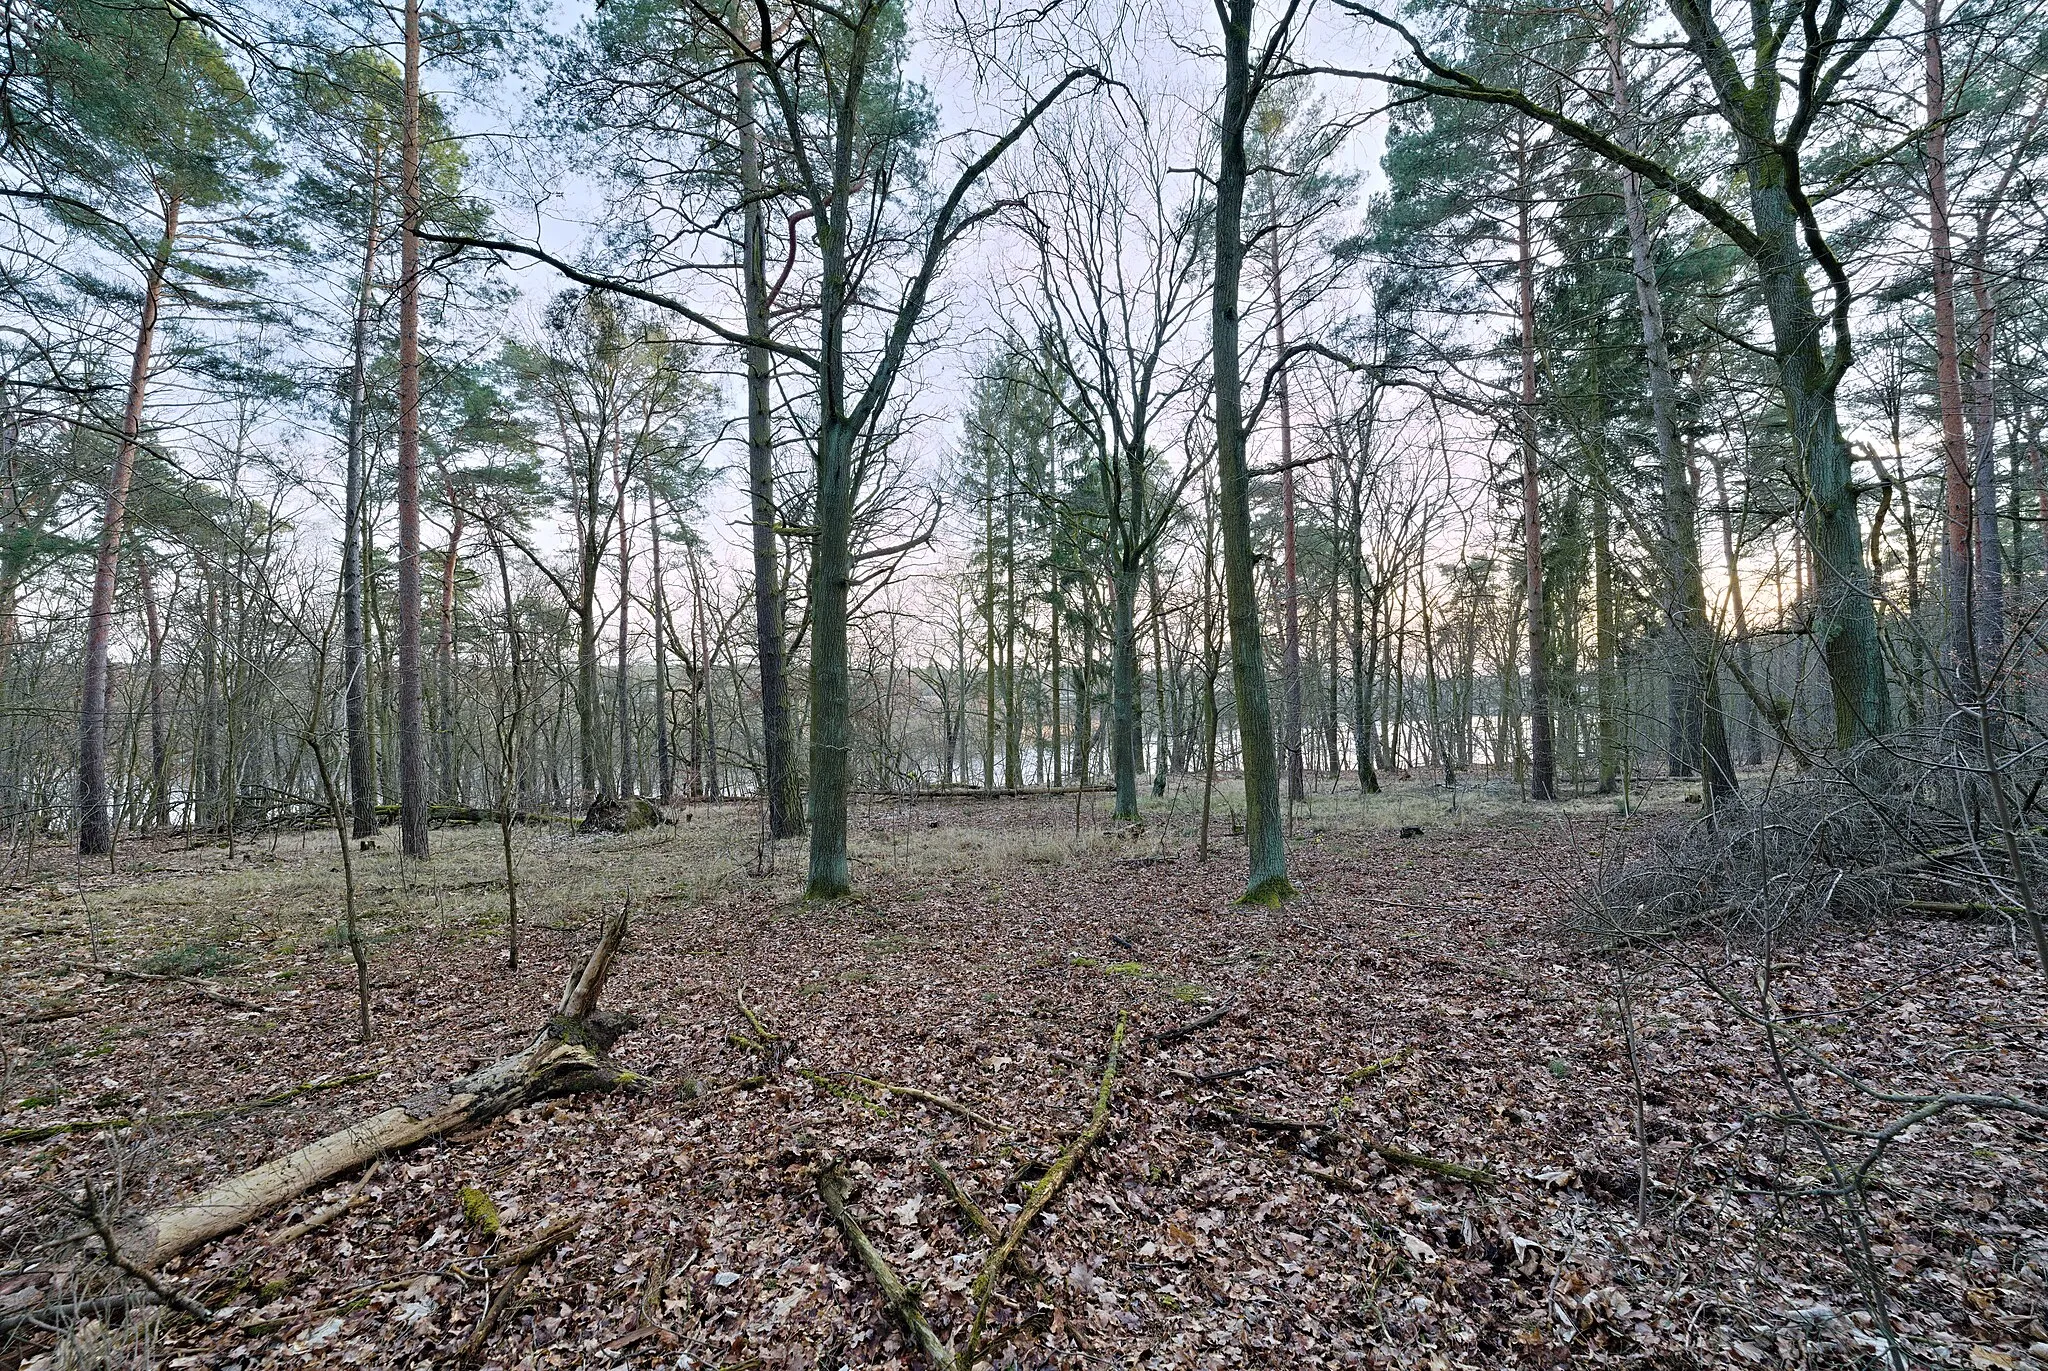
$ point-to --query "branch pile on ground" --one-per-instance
(1905, 826)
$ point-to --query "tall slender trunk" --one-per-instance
(988, 625)
(1052, 677)
(782, 784)
(1159, 675)
(1363, 661)
(664, 739)
(95, 818)
(706, 650)
(622, 677)
(1290, 581)
(355, 665)
(1697, 713)
(1013, 718)
(1990, 572)
(158, 809)
(1542, 759)
(1266, 881)
(1957, 479)
(412, 758)
(1331, 727)
(1605, 635)
(1211, 665)
(444, 650)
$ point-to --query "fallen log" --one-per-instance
(566, 1056)
(1172, 1034)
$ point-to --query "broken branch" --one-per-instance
(566, 1056)
(507, 1293)
(39, 1132)
(96, 1215)
(902, 1300)
(1400, 1156)
(1042, 1193)
(1166, 1037)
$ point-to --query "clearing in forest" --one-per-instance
(1400, 1122)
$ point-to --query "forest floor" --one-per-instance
(1254, 1200)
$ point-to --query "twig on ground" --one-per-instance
(902, 1300)
(910, 1092)
(1270, 1123)
(96, 1215)
(39, 1132)
(517, 1265)
(320, 1218)
(193, 983)
(1042, 1193)
(1166, 1037)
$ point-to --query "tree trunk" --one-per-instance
(444, 652)
(1697, 714)
(1159, 677)
(782, 786)
(831, 580)
(95, 819)
(622, 674)
(158, 808)
(355, 666)
(1123, 691)
(1958, 528)
(1266, 881)
(412, 758)
(664, 737)
(988, 623)
(1990, 572)
(1542, 759)
(1290, 582)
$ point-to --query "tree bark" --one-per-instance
(412, 752)
(362, 762)
(782, 786)
(95, 818)
(1266, 881)
(1542, 756)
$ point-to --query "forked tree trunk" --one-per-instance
(565, 1057)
